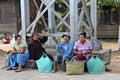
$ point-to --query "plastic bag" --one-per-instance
(95, 65)
(44, 64)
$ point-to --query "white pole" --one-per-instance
(24, 16)
(50, 42)
(23, 19)
(93, 11)
(73, 19)
(50, 17)
(27, 13)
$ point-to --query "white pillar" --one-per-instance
(50, 18)
(74, 19)
(50, 43)
(93, 14)
(27, 13)
(24, 17)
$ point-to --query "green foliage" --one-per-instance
(62, 10)
(1, 37)
(111, 3)
(114, 3)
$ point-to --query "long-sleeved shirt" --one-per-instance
(36, 50)
(65, 48)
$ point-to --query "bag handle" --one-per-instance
(44, 55)
(95, 56)
(74, 59)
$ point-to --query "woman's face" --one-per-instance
(35, 37)
(82, 38)
(18, 40)
(66, 38)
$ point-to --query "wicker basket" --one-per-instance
(75, 68)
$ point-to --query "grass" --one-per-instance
(109, 44)
(108, 40)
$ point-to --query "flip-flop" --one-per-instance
(108, 70)
(8, 69)
(18, 70)
(14, 68)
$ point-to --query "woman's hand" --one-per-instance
(12, 52)
(59, 39)
(79, 52)
(84, 52)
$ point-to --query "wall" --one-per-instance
(7, 17)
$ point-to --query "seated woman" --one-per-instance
(66, 49)
(18, 55)
(6, 39)
(36, 49)
(83, 48)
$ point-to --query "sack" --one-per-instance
(95, 65)
(75, 67)
(44, 64)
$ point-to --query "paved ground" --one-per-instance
(32, 74)
(35, 75)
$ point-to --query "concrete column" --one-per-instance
(50, 18)
(50, 42)
(74, 20)
(25, 17)
(93, 14)
(27, 13)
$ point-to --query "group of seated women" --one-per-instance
(20, 53)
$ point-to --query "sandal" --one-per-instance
(54, 71)
(14, 68)
(108, 70)
(8, 69)
(19, 70)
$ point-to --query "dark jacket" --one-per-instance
(36, 49)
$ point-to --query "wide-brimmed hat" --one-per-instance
(66, 34)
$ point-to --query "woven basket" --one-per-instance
(75, 68)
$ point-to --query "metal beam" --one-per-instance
(37, 18)
(25, 17)
(93, 11)
(50, 22)
(74, 19)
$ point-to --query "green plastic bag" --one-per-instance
(95, 65)
(44, 64)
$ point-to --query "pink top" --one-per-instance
(83, 47)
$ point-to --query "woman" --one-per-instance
(36, 49)
(83, 48)
(18, 55)
(66, 49)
